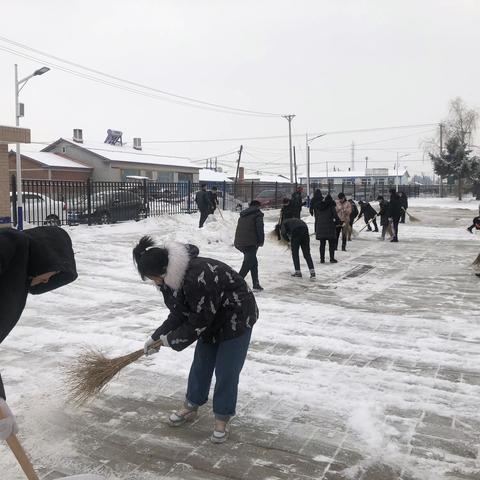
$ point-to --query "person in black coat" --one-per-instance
(317, 198)
(33, 261)
(404, 204)
(213, 199)
(295, 231)
(249, 236)
(210, 304)
(204, 205)
(287, 210)
(326, 221)
(384, 215)
(369, 215)
(353, 216)
(296, 202)
(395, 208)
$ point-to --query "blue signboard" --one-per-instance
(5, 219)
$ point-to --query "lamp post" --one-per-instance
(398, 158)
(289, 119)
(19, 84)
(307, 149)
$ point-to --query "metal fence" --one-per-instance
(49, 202)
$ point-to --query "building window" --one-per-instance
(64, 149)
(165, 177)
(185, 177)
(129, 172)
(391, 181)
(367, 181)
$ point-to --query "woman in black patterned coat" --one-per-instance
(210, 304)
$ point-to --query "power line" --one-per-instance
(225, 108)
(182, 99)
(274, 137)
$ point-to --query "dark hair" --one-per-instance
(380, 197)
(214, 188)
(203, 185)
(254, 203)
(341, 195)
(149, 259)
(286, 201)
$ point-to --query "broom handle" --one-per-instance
(368, 223)
(20, 455)
(220, 212)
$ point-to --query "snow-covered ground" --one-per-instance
(370, 372)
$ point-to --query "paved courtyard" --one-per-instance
(372, 372)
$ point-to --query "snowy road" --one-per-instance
(372, 372)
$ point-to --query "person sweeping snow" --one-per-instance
(34, 261)
(209, 304)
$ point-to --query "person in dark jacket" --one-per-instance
(384, 215)
(369, 215)
(203, 203)
(295, 231)
(296, 202)
(404, 204)
(213, 199)
(286, 210)
(249, 236)
(209, 304)
(395, 209)
(33, 261)
(353, 216)
(475, 224)
(317, 198)
(326, 221)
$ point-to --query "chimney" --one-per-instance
(241, 174)
(78, 135)
(137, 143)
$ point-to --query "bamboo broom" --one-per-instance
(91, 372)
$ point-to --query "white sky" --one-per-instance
(336, 64)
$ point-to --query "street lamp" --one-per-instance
(289, 118)
(19, 84)
(398, 158)
(307, 149)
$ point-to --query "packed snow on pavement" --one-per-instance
(370, 372)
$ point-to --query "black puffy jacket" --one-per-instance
(207, 299)
(250, 229)
(326, 220)
(395, 206)
(24, 255)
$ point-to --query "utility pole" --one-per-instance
(441, 151)
(307, 154)
(295, 165)
(366, 164)
(353, 155)
(289, 119)
(238, 163)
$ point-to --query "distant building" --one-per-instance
(209, 176)
(114, 161)
(369, 177)
(49, 166)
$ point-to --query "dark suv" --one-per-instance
(108, 207)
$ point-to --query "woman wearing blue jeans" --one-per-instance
(211, 304)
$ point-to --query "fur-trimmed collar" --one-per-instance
(178, 259)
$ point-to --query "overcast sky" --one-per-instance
(336, 64)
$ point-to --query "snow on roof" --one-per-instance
(207, 175)
(50, 159)
(392, 172)
(127, 154)
(266, 178)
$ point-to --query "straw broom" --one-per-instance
(477, 260)
(411, 217)
(91, 372)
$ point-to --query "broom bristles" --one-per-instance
(477, 260)
(91, 372)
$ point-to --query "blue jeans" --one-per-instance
(227, 359)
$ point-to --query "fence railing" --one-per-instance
(50, 202)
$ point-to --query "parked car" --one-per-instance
(40, 209)
(269, 198)
(108, 207)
